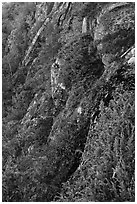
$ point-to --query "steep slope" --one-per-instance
(68, 124)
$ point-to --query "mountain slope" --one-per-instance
(68, 101)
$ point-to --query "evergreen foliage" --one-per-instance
(76, 144)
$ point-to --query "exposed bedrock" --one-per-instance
(68, 90)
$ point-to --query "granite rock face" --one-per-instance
(56, 132)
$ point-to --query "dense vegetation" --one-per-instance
(68, 101)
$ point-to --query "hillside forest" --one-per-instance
(68, 102)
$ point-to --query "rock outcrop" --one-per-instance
(84, 25)
(70, 96)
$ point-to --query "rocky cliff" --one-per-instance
(68, 114)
